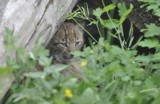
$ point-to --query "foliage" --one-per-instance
(152, 5)
(111, 74)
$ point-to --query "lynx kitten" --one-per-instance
(68, 38)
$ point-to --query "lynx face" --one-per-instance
(68, 38)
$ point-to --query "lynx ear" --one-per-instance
(81, 26)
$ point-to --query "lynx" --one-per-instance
(68, 38)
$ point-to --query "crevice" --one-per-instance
(38, 24)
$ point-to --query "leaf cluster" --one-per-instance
(111, 74)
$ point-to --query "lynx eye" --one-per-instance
(77, 43)
(63, 45)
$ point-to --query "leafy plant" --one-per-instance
(111, 74)
(152, 5)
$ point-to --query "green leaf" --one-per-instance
(60, 101)
(131, 94)
(98, 12)
(41, 75)
(151, 30)
(111, 23)
(108, 8)
(39, 50)
(32, 56)
(8, 31)
(73, 15)
(125, 14)
(5, 69)
(156, 57)
(122, 9)
(125, 78)
(144, 59)
(45, 61)
(55, 68)
(101, 41)
(71, 82)
(9, 39)
(157, 12)
(89, 97)
(150, 43)
(148, 1)
(77, 54)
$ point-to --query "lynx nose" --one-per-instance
(67, 56)
(71, 56)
